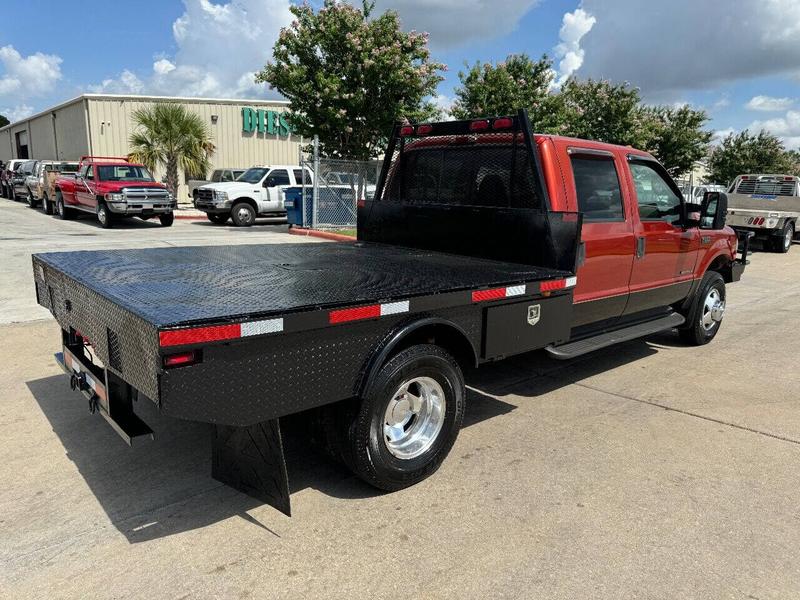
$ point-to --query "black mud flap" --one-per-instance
(250, 459)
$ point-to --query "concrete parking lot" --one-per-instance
(652, 470)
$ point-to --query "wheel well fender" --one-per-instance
(722, 264)
(246, 200)
(426, 330)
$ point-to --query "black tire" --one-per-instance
(783, 243)
(243, 214)
(47, 206)
(12, 194)
(364, 446)
(32, 202)
(104, 216)
(218, 219)
(701, 323)
(62, 212)
(167, 219)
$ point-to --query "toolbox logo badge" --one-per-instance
(534, 313)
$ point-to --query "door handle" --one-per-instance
(641, 246)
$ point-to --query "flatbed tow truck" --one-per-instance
(468, 254)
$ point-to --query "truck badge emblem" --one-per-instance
(534, 312)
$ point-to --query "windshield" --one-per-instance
(123, 173)
(253, 175)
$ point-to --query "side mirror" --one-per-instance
(713, 210)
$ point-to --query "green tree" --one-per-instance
(349, 77)
(677, 138)
(747, 152)
(502, 89)
(169, 135)
(4, 121)
(603, 111)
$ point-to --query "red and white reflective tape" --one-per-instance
(218, 333)
(558, 284)
(498, 293)
(371, 311)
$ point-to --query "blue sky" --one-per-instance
(739, 59)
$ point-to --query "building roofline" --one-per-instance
(185, 99)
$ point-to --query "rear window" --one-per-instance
(490, 175)
(597, 188)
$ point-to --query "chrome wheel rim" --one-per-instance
(787, 238)
(414, 417)
(713, 309)
(243, 215)
(101, 215)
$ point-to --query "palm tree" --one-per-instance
(168, 134)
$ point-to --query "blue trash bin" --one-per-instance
(293, 203)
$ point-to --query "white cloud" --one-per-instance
(686, 44)
(769, 103)
(721, 134)
(220, 47)
(17, 113)
(445, 104)
(454, 23)
(574, 26)
(786, 127)
(723, 102)
(28, 76)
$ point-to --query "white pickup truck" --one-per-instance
(767, 205)
(258, 192)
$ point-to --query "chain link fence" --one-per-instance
(332, 193)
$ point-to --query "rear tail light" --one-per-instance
(424, 129)
(744, 178)
(788, 178)
(182, 359)
(502, 123)
(406, 130)
(481, 125)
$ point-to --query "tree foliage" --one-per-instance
(169, 135)
(4, 121)
(349, 77)
(747, 152)
(501, 89)
(676, 136)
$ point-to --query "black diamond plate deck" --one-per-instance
(176, 286)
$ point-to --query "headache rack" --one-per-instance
(473, 188)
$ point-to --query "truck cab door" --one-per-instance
(606, 236)
(666, 252)
(273, 189)
(84, 187)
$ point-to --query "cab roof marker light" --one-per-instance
(407, 130)
(480, 125)
(502, 123)
(424, 129)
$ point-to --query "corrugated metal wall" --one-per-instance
(111, 124)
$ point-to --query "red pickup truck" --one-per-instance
(482, 241)
(112, 188)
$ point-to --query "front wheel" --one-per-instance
(47, 206)
(62, 212)
(408, 420)
(105, 217)
(705, 316)
(243, 214)
(32, 202)
(167, 219)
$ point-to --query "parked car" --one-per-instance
(113, 188)
(564, 245)
(768, 206)
(19, 178)
(258, 192)
(218, 176)
(41, 183)
(5, 177)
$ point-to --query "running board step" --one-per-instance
(581, 347)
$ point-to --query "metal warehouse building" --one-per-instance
(245, 132)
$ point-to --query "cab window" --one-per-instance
(597, 187)
(657, 200)
(227, 176)
(277, 177)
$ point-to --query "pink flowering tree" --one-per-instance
(349, 76)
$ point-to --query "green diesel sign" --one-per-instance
(265, 121)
